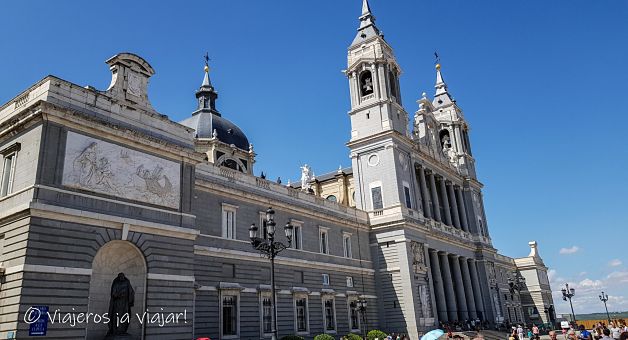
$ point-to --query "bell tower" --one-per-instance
(380, 143)
(373, 75)
(453, 134)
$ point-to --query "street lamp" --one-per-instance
(270, 248)
(604, 298)
(568, 293)
(361, 304)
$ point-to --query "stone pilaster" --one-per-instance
(468, 288)
(454, 205)
(427, 211)
(450, 294)
(463, 209)
(435, 203)
(477, 293)
(463, 312)
(445, 200)
(438, 287)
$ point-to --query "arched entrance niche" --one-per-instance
(112, 258)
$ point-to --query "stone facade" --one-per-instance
(97, 182)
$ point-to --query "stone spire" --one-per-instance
(206, 94)
(367, 27)
(442, 97)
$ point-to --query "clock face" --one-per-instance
(133, 84)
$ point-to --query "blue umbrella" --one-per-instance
(433, 335)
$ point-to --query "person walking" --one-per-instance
(535, 331)
(520, 332)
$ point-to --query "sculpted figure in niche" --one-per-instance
(122, 299)
(418, 252)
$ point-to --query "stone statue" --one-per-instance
(122, 299)
(306, 177)
(418, 252)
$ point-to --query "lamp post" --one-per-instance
(361, 304)
(568, 293)
(516, 282)
(604, 298)
(270, 248)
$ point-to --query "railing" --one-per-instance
(20, 101)
(234, 176)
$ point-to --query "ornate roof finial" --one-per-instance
(206, 81)
(366, 9)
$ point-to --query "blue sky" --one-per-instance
(542, 83)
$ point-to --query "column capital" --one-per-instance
(448, 182)
(454, 256)
(432, 250)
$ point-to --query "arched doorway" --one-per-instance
(113, 258)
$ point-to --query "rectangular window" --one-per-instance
(262, 225)
(329, 316)
(376, 196)
(301, 312)
(354, 316)
(8, 172)
(267, 319)
(325, 279)
(349, 281)
(297, 235)
(406, 191)
(229, 221)
(323, 240)
(346, 244)
(230, 315)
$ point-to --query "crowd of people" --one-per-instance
(613, 331)
(466, 325)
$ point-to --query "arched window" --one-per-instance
(332, 198)
(366, 83)
(392, 78)
(231, 164)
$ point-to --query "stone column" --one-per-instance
(477, 292)
(439, 289)
(375, 75)
(354, 90)
(463, 209)
(435, 204)
(445, 201)
(424, 194)
(463, 312)
(454, 205)
(381, 73)
(468, 289)
(450, 295)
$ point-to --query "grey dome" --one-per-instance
(204, 122)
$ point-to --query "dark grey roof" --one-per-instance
(204, 122)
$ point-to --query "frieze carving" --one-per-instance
(418, 256)
(95, 165)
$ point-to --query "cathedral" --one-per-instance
(108, 207)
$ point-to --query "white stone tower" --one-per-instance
(380, 144)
